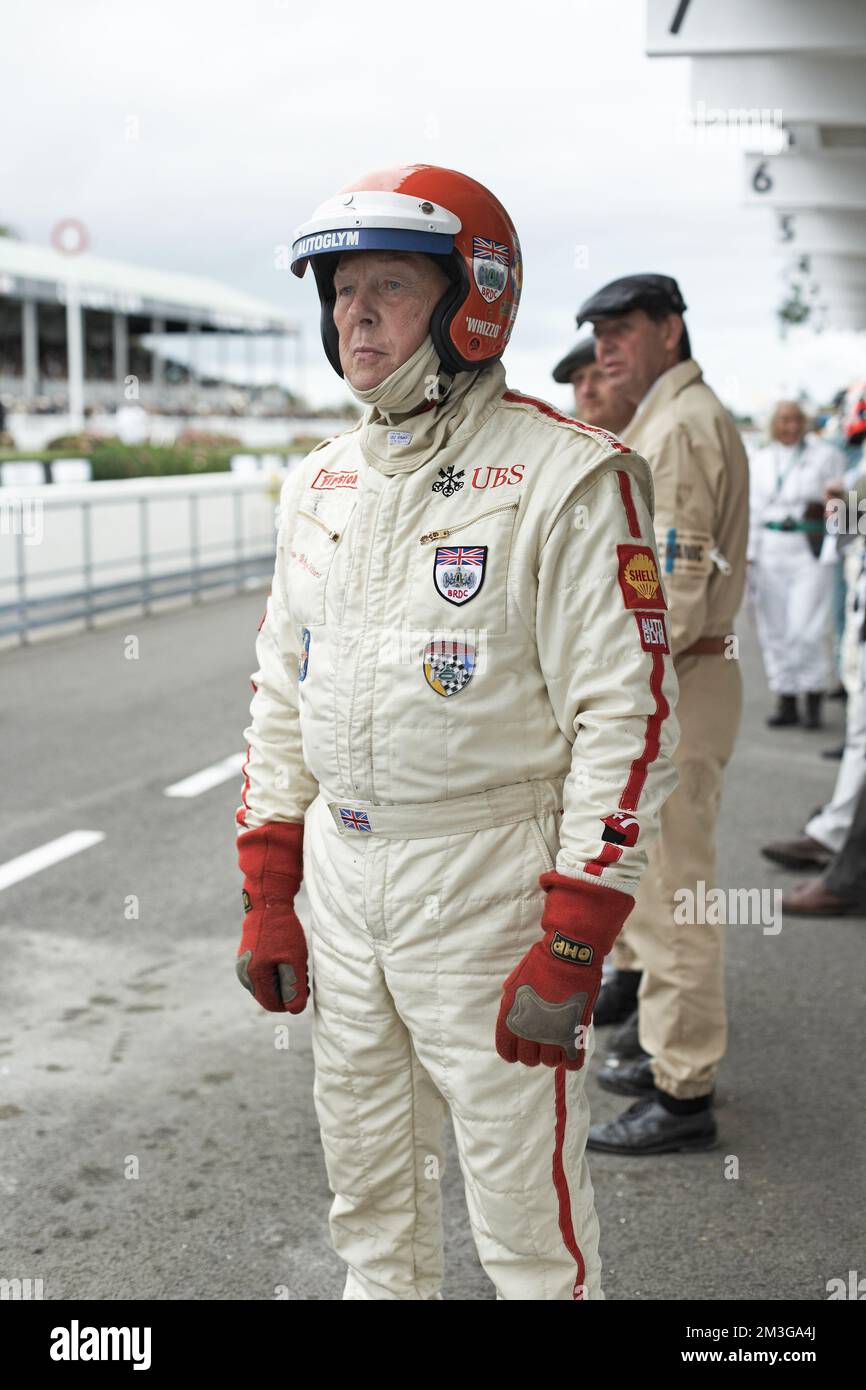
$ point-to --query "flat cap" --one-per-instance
(580, 356)
(633, 292)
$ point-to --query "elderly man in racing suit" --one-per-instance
(461, 738)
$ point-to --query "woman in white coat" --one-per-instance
(791, 589)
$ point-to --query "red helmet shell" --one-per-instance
(473, 321)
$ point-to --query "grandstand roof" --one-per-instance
(39, 272)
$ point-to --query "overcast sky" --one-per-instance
(196, 135)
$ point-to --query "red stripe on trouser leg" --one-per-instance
(628, 502)
(560, 1182)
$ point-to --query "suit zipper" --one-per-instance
(333, 535)
(440, 535)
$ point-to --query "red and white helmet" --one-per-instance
(439, 212)
(854, 416)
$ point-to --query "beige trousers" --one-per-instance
(681, 1002)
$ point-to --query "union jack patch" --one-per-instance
(355, 820)
(458, 571)
(490, 264)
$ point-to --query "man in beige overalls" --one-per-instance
(596, 400)
(700, 475)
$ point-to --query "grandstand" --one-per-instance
(71, 330)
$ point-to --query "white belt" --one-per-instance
(426, 819)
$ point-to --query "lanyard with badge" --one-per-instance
(782, 474)
(812, 522)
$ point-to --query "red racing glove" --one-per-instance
(272, 957)
(549, 996)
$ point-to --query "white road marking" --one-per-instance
(209, 777)
(46, 855)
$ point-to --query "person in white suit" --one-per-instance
(792, 590)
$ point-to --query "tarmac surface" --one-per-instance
(156, 1144)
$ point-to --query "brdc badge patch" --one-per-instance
(448, 666)
(639, 577)
(458, 571)
(490, 266)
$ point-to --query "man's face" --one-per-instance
(382, 310)
(597, 401)
(634, 350)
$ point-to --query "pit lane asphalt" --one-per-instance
(128, 1041)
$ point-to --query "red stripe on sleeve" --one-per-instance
(518, 398)
(610, 853)
(637, 776)
(628, 502)
(241, 813)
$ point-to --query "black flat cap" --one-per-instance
(580, 356)
(659, 292)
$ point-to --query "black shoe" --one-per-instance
(834, 753)
(617, 998)
(812, 713)
(647, 1128)
(628, 1078)
(786, 712)
(624, 1045)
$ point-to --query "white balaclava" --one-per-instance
(412, 413)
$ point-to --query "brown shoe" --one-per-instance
(801, 853)
(813, 899)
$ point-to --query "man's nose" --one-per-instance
(361, 308)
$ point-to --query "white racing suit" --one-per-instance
(792, 588)
(463, 681)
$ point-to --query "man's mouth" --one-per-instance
(365, 351)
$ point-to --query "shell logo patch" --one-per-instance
(448, 666)
(639, 577)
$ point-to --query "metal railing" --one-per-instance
(84, 590)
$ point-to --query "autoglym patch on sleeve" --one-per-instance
(653, 632)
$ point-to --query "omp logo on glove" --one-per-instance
(248, 902)
(639, 577)
(578, 952)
